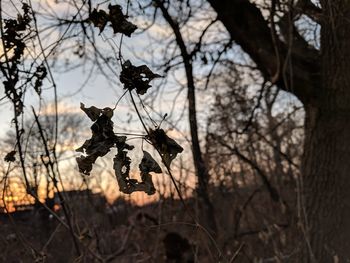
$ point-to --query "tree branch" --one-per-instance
(248, 28)
(308, 8)
(264, 178)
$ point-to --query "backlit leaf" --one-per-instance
(93, 113)
(148, 164)
(99, 19)
(167, 147)
(102, 139)
(137, 77)
(10, 157)
(119, 22)
(128, 185)
(117, 19)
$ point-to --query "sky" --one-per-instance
(78, 85)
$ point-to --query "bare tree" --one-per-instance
(34, 153)
(271, 33)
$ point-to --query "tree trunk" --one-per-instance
(326, 164)
(199, 165)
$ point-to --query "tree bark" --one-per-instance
(326, 164)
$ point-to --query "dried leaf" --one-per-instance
(10, 157)
(39, 74)
(121, 166)
(93, 113)
(148, 164)
(167, 147)
(119, 22)
(102, 139)
(136, 77)
(85, 163)
(99, 19)
(128, 185)
(116, 17)
(147, 184)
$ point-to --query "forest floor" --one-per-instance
(250, 228)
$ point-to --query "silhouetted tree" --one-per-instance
(316, 73)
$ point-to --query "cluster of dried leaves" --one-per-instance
(16, 32)
(14, 45)
(103, 139)
(116, 18)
